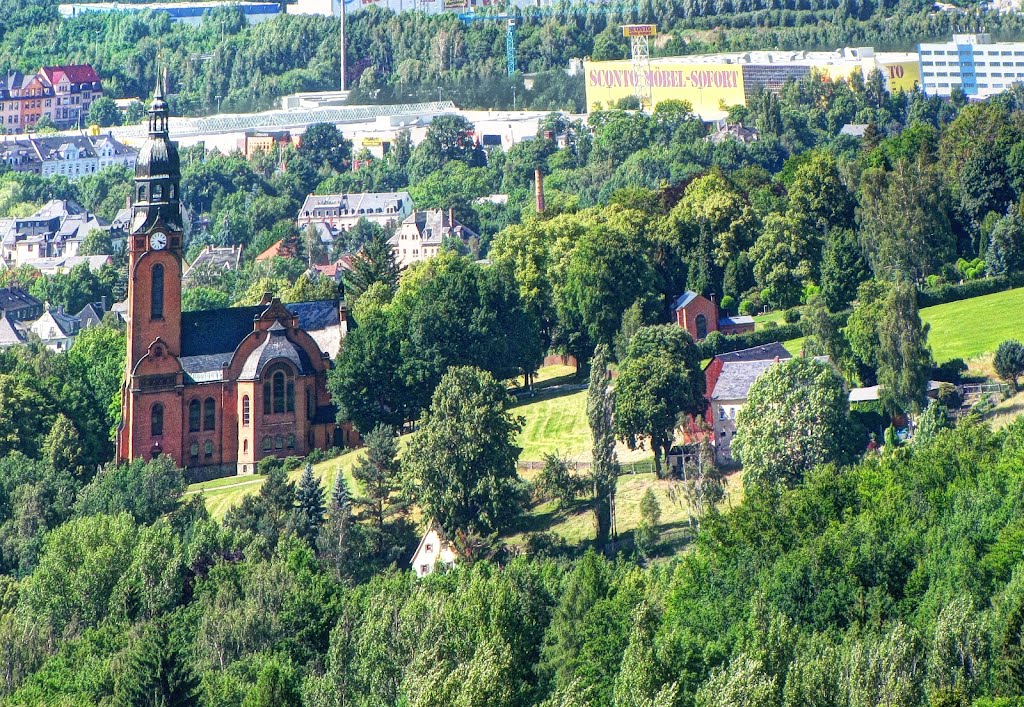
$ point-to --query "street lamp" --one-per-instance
(218, 102)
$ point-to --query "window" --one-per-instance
(721, 413)
(268, 444)
(702, 326)
(193, 416)
(194, 450)
(278, 442)
(291, 441)
(245, 410)
(245, 445)
(429, 547)
(158, 192)
(209, 414)
(208, 449)
(156, 427)
(142, 193)
(279, 391)
(156, 303)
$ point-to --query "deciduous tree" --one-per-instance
(463, 458)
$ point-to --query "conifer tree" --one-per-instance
(157, 674)
(309, 514)
(379, 476)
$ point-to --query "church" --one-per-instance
(215, 390)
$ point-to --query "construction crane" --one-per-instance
(536, 13)
(510, 34)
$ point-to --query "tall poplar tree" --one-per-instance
(605, 466)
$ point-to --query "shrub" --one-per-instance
(728, 303)
(949, 396)
(1009, 361)
(291, 463)
(269, 464)
(791, 315)
(748, 308)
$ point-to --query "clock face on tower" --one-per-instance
(158, 241)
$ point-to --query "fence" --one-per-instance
(643, 466)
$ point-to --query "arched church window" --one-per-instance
(268, 444)
(193, 416)
(291, 441)
(245, 446)
(142, 193)
(209, 414)
(193, 451)
(279, 391)
(278, 442)
(702, 326)
(208, 449)
(156, 427)
(156, 301)
(158, 192)
(245, 410)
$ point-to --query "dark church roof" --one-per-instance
(220, 331)
(277, 347)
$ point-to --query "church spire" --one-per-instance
(158, 112)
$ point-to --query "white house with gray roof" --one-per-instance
(342, 211)
(422, 234)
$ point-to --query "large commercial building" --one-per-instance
(972, 62)
(713, 82)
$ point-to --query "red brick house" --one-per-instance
(700, 316)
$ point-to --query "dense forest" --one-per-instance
(895, 581)
(226, 64)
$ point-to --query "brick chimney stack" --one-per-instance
(539, 180)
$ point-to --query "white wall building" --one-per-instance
(972, 62)
(56, 328)
(432, 550)
(422, 234)
(343, 211)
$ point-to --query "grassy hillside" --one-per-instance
(975, 326)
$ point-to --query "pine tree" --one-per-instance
(157, 674)
(379, 476)
(309, 514)
(338, 542)
(375, 263)
(605, 466)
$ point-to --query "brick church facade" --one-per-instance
(216, 390)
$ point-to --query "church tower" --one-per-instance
(151, 400)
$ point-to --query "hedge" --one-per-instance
(954, 292)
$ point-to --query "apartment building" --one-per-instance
(61, 93)
(973, 63)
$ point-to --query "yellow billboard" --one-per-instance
(901, 75)
(707, 87)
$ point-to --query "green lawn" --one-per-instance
(577, 524)
(221, 495)
(774, 316)
(976, 326)
(554, 424)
